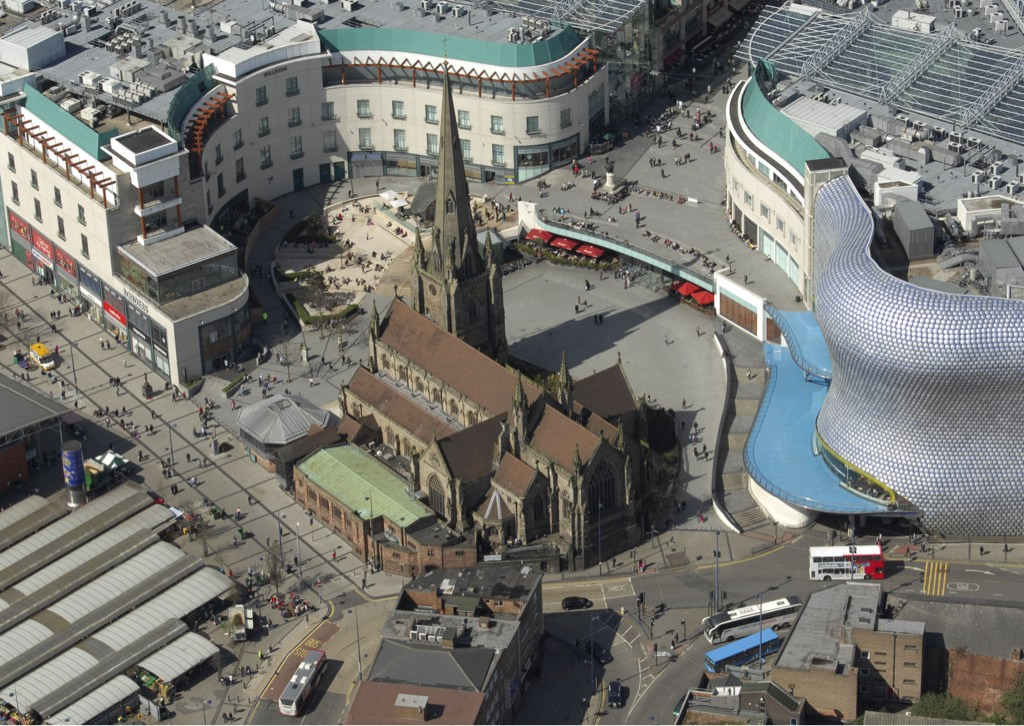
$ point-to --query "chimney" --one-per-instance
(411, 707)
(181, 24)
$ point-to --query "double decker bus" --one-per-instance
(854, 562)
(726, 627)
(301, 684)
(743, 651)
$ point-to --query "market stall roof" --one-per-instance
(703, 297)
(564, 244)
(88, 708)
(590, 251)
(685, 288)
(179, 657)
(539, 235)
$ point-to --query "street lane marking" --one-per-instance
(935, 574)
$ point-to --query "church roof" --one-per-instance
(514, 475)
(380, 395)
(493, 507)
(452, 361)
(470, 452)
(557, 437)
(607, 393)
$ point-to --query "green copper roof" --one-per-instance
(472, 50)
(67, 125)
(353, 477)
(777, 131)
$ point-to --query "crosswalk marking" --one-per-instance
(935, 575)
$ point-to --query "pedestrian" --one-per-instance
(334, 555)
(696, 454)
(152, 414)
(233, 404)
(698, 331)
(311, 381)
(749, 374)
(188, 457)
(125, 362)
(704, 450)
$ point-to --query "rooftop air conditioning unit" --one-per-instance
(994, 182)
(976, 177)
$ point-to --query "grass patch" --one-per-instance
(308, 318)
(235, 383)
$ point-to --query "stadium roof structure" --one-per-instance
(941, 74)
(590, 15)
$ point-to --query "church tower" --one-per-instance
(453, 284)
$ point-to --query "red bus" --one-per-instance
(853, 562)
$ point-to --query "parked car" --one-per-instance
(616, 696)
(598, 653)
(576, 603)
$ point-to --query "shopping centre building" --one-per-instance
(898, 393)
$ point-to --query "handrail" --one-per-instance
(794, 345)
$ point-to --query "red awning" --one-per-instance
(539, 235)
(565, 244)
(703, 297)
(590, 251)
(685, 288)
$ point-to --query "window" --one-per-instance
(14, 193)
(218, 157)
(497, 155)
(766, 212)
(780, 224)
(81, 214)
(35, 179)
(56, 198)
(363, 109)
(533, 124)
(10, 161)
(464, 120)
(85, 247)
(220, 185)
(238, 139)
(327, 110)
(291, 86)
(296, 147)
(432, 145)
(748, 199)
(400, 144)
(38, 210)
(497, 124)
(467, 149)
(264, 126)
(430, 114)
(265, 160)
(294, 116)
(261, 96)
(60, 228)
(330, 140)
(365, 139)
(565, 118)
(239, 169)
(398, 109)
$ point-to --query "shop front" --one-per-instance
(41, 261)
(91, 290)
(67, 275)
(115, 315)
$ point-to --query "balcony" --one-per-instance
(366, 147)
(401, 147)
(399, 116)
(466, 127)
(152, 205)
(292, 92)
(429, 120)
(364, 114)
(296, 154)
(263, 132)
(262, 101)
(266, 164)
(293, 122)
(330, 148)
(497, 131)
(496, 162)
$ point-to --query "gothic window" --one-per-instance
(435, 395)
(473, 310)
(601, 490)
(419, 385)
(449, 205)
(436, 494)
(471, 418)
(390, 438)
(538, 510)
(565, 505)
(385, 362)
(402, 373)
(454, 408)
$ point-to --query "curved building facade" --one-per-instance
(926, 392)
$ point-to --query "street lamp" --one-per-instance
(359, 647)
(298, 554)
(170, 442)
(718, 555)
(591, 646)
(74, 370)
(369, 553)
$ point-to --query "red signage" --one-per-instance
(114, 313)
(42, 244)
(66, 262)
(19, 225)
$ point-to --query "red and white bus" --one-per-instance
(853, 562)
(301, 684)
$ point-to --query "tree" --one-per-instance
(275, 568)
(946, 707)
(1013, 701)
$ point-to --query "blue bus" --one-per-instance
(743, 651)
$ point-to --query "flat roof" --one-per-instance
(179, 252)
(144, 140)
(815, 640)
(24, 406)
(179, 656)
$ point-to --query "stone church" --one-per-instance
(486, 449)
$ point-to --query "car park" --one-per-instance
(575, 602)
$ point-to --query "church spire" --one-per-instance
(454, 231)
(565, 392)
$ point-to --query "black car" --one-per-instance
(598, 653)
(616, 697)
(576, 603)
